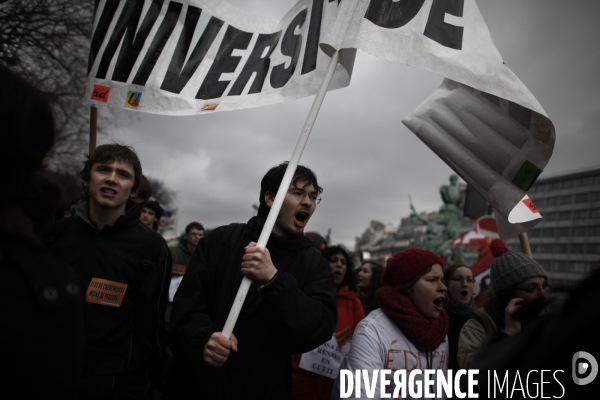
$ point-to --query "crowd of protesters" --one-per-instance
(95, 305)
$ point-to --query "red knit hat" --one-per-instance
(404, 265)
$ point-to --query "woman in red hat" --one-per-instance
(409, 330)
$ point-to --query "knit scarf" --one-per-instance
(426, 334)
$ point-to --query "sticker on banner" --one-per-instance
(105, 292)
(101, 93)
(209, 107)
(134, 95)
(524, 211)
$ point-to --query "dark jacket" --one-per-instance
(294, 314)
(41, 323)
(123, 344)
(181, 255)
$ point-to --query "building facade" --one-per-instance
(567, 240)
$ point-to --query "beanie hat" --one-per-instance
(509, 268)
(404, 265)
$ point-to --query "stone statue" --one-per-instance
(446, 225)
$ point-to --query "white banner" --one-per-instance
(483, 122)
(200, 56)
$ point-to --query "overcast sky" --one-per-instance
(367, 161)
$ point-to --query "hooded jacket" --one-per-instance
(294, 314)
(124, 338)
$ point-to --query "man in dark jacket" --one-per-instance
(124, 268)
(290, 308)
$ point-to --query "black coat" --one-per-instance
(123, 344)
(295, 314)
(41, 323)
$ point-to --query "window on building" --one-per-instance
(563, 232)
(579, 267)
(554, 185)
(568, 199)
(552, 216)
(594, 231)
(578, 248)
(561, 248)
(595, 213)
(552, 201)
(539, 187)
(582, 198)
(596, 179)
(595, 196)
(567, 184)
(581, 214)
(540, 203)
(584, 181)
(579, 230)
(549, 232)
(535, 233)
(564, 215)
(593, 248)
(547, 248)
(559, 266)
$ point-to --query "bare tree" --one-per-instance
(162, 193)
(47, 42)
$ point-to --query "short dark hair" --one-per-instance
(154, 206)
(193, 225)
(272, 180)
(144, 191)
(108, 153)
(328, 252)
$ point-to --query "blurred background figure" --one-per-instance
(40, 300)
(309, 385)
(515, 281)
(368, 281)
(151, 213)
(317, 240)
(459, 305)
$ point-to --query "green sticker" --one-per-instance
(526, 176)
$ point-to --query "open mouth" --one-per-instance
(464, 293)
(439, 303)
(108, 191)
(302, 217)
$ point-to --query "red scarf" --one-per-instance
(426, 334)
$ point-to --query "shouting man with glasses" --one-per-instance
(290, 308)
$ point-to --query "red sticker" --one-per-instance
(530, 205)
(100, 93)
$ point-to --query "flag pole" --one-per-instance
(525, 244)
(285, 182)
(93, 128)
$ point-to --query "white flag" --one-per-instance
(483, 122)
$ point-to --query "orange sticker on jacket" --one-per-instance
(105, 292)
(530, 205)
(179, 269)
(342, 337)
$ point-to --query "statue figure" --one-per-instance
(448, 215)
(446, 225)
